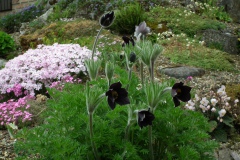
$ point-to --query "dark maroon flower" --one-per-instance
(132, 57)
(180, 92)
(107, 19)
(118, 95)
(145, 118)
(127, 41)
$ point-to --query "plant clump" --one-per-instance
(7, 44)
(218, 109)
(127, 17)
(12, 22)
(44, 65)
(180, 20)
(101, 132)
(56, 32)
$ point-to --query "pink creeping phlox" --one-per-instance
(17, 90)
(45, 64)
(59, 85)
(14, 111)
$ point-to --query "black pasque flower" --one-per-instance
(118, 95)
(107, 19)
(145, 118)
(180, 92)
(132, 57)
(127, 40)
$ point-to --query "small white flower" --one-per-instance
(208, 107)
(159, 26)
(191, 103)
(197, 97)
(204, 101)
(139, 86)
(213, 109)
(204, 109)
(222, 112)
(221, 91)
(214, 101)
(236, 101)
(221, 120)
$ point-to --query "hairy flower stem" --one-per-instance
(91, 136)
(129, 77)
(127, 132)
(141, 72)
(151, 70)
(109, 82)
(150, 142)
(10, 132)
(95, 42)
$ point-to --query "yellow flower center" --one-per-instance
(114, 94)
(178, 91)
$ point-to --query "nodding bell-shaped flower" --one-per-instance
(117, 94)
(132, 57)
(145, 118)
(107, 19)
(180, 92)
(142, 29)
(127, 40)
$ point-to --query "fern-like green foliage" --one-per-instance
(7, 44)
(177, 133)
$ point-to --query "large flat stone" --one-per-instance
(182, 72)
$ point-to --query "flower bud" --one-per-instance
(157, 50)
(133, 57)
(109, 70)
(107, 19)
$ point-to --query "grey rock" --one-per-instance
(232, 7)
(227, 41)
(224, 154)
(182, 72)
(24, 29)
(45, 16)
(235, 155)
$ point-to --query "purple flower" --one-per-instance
(180, 92)
(117, 94)
(141, 29)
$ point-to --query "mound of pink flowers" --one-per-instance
(13, 111)
(43, 65)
